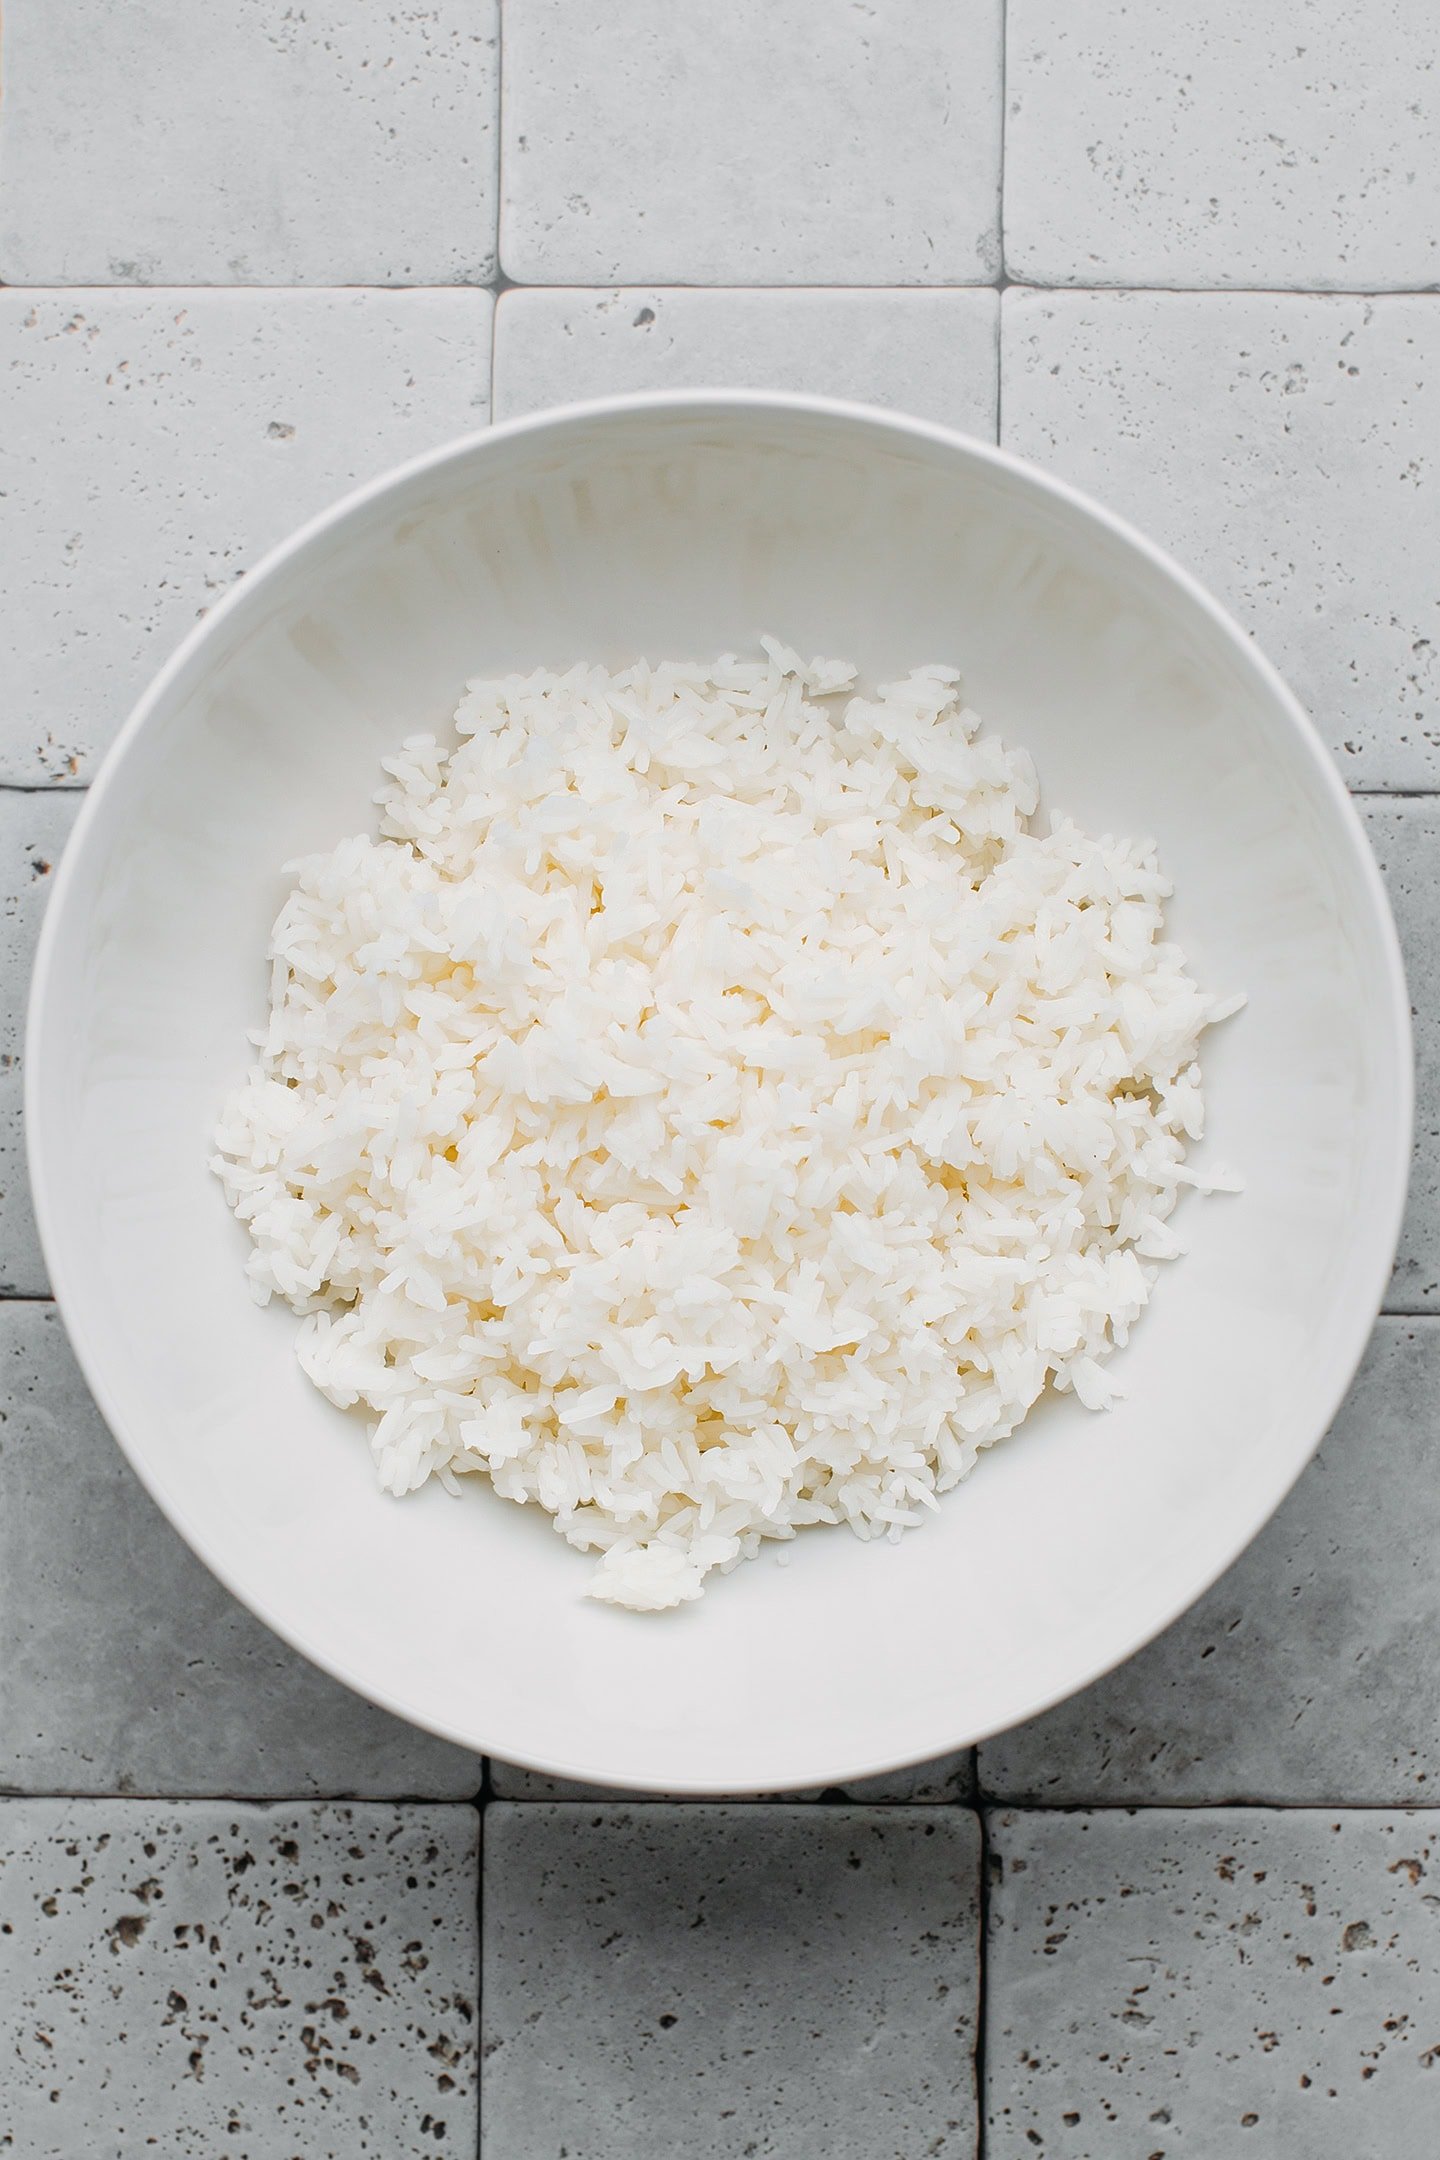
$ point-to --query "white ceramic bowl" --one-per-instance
(678, 527)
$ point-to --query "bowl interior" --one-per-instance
(682, 529)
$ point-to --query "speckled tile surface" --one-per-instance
(248, 257)
(1276, 444)
(33, 832)
(1222, 145)
(1308, 1672)
(697, 1980)
(1405, 835)
(932, 353)
(124, 1666)
(206, 1978)
(1239, 1980)
(804, 144)
(247, 144)
(157, 442)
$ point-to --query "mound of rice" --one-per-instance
(709, 1109)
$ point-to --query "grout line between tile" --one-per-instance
(982, 1993)
(502, 282)
(1092, 287)
(1004, 277)
(982, 1806)
(992, 1804)
(11, 1795)
(500, 6)
(480, 1968)
(501, 273)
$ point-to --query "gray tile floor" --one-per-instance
(249, 256)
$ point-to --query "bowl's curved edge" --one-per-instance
(1385, 1220)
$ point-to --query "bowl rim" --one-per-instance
(1384, 1216)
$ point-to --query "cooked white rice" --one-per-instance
(709, 1109)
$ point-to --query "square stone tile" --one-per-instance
(1281, 448)
(1220, 1983)
(770, 142)
(33, 831)
(156, 443)
(244, 1982)
(948, 1778)
(932, 353)
(1308, 1673)
(124, 1665)
(1405, 834)
(661, 1982)
(237, 143)
(1223, 145)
